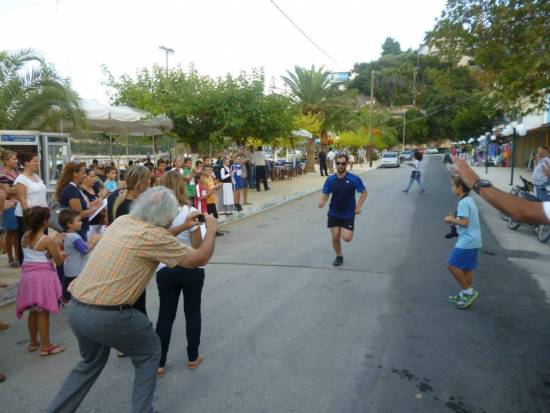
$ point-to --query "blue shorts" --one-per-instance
(464, 259)
(238, 182)
(9, 219)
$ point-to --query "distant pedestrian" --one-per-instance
(416, 175)
(330, 160)
(39, 290)
(200, 189)
(211, 188)
(342, 208)
(238, 185)
(261, 170)
(323, 162)
(463, 259)
(190, 178)
(227, 186)
(540, 180)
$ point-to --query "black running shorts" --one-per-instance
(348, 224)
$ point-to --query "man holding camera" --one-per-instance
(101, 314)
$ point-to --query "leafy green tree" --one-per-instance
(33, 94)
(206, 110)
(474, 119)
(507, 39)
(391, 46)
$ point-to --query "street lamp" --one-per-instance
(516, 129)
(167, 52)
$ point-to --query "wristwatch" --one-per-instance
(481, 183)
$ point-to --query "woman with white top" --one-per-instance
(415, 173)
(172, 282)
(226, 175)
(30, 189)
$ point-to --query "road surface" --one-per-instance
(284, 331)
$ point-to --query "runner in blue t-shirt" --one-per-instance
(342, 208)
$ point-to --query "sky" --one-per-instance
(216, 36)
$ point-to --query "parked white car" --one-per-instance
(390, 159)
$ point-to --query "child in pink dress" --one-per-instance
(39, 289)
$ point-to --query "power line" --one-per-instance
(303, 33)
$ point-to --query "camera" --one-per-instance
(201, 218)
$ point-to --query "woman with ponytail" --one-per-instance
(69, 195)
(138, 179)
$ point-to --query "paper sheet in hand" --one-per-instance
(101, 208)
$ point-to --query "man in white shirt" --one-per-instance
(515, 207)
(540, 180)
(261, 173)
(330, 160)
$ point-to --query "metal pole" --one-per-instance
(414, 87)
(370, 117)
(404, 126)
(166, 52)
(513, 157)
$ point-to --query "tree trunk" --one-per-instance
(310, 151)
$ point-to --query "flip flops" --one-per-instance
(51, 350)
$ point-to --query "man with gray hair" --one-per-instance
(101, 314)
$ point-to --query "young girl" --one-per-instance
(39, 289)
(236, 173)
(415, 173)
(201, 194)
(110, 183)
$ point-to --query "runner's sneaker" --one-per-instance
(467, 300)
(338, 261)
(454, 299)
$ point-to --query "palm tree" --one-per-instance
(315, 94)
(33, 95)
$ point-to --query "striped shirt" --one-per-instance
(123, 262)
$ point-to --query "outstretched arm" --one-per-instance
(517, 208)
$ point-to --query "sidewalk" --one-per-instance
(500, 177)
(280, 192)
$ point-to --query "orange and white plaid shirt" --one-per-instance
(123, 262)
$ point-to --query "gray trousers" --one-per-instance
(97, 331)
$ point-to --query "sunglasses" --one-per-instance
(341, 163)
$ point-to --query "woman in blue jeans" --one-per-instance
(172, 282)
(415, 173)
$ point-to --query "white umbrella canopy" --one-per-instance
(123, 120)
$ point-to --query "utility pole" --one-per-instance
(414, 86)
(404, 126)
(370, 117)
(167, 52)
